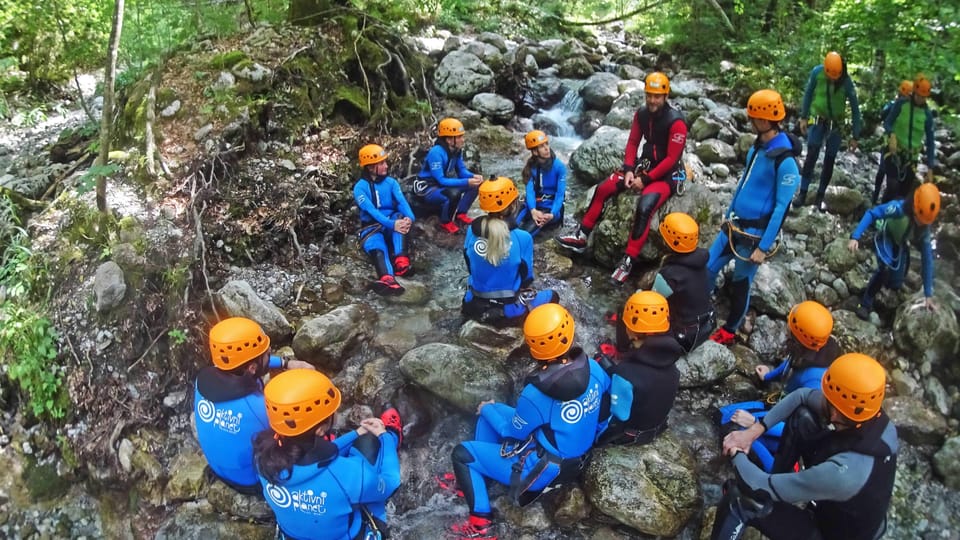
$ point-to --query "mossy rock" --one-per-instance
(43, 482)
(351, 103)
(229, 59)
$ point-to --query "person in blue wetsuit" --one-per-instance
(810, 351)
(643, 370)
(829, 88)
(385, 220)
(848, 446)
(547, 437)
(683, 280)
(444, 183)
(500, 261)
(546, 185)
(908, 127)
(905, 93)
(228, 400)
(318, 488)
(896, 221)
(759, 206)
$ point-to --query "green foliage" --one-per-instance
(89, 179)
(177, 336)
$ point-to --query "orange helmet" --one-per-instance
(680, 232)
(372, 154)
(906, 88)
(833, 65)
(535, 138)
(926, 203)
(548, 331)
(236, 341)
(656, 83)
(299, 399)
(450, 127)
(855, 384)
(766, 105)
(496, 195)
(811, 324)
(646, 312)
(921, 85)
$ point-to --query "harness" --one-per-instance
(519, 485)
(703, 320)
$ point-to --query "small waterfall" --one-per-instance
(559, 116)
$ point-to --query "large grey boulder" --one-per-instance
(947, 462)
(497, 342)
(705, 365)
(109, 287)
(768, 338)
(494, 107)
(776, 289)
(855, 335)
(651, 488)
(238, 299)
(599, 155)
(715, 151)
(600, 90)
(838, 257)
(916, 422)
(575, 68)
(623, 109)
(704, 128)
(327, 340)
(461, 75)
(845, 201)
(927, 335)
(460, 376)
(489, 54)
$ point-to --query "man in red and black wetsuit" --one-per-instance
(651, 172)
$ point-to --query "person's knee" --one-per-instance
(461, 455)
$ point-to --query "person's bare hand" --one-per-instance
(762, 371)
(929, 303)
(628, 179)
(854, 144)
(852, 245)
(803, 126)
(374, 426)
(742, 418)
(300, 364)
(738, 441)
(402, 225)
(758, 256)
(475, 181)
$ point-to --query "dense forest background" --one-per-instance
(43, 43)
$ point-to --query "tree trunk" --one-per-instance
(106, 121)
(149, 141)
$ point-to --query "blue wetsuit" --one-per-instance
(563, 407)
(895, 226)
(758, 208)
(443, 182)
(802, 369)
(381, 204)
(230, 411)
(546, 187)
(321, 496)
(494, 292)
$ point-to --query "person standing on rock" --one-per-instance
(759, 206)
(546, 185)
(645, 379)
(829, 88)
(320, 487)
(905, 93)
(500, 261)
(896, 221)
(683, 280)
(848, 447)
(228, 400)
(444, 182)
(546, 439)
(385, 220)
(810, 351)
(653, 170)
(908, 127)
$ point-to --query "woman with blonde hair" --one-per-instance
(500, 261)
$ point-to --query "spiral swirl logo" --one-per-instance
(480, 246)
(571, 411)
(279, 495)
(206, 411)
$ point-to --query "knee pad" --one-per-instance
(645, 207)
(460, 454)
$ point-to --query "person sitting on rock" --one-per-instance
(444, 182)
(653, 172)
(385, 220)
(320, 487)
(896, 221)
(683, 280)
(543, 441)
(546, 185)
(643, 370)
(500, 261)
(848, 446)
(810, 350)
(228, 400)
